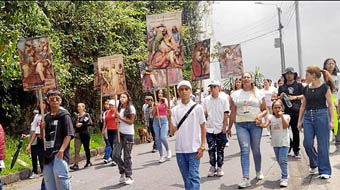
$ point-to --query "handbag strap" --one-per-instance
(185, 116)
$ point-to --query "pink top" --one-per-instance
(162, 109)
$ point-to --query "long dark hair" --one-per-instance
(127, 111)
(336, 69)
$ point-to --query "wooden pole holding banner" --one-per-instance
(117, 122)
(101, 101)
(168, 89)
(42, 116)
(200, 93)
(159, 120)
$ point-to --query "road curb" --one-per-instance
(26, 173)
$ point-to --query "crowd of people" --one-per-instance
(282, 110)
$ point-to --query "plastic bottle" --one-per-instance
(288, 102)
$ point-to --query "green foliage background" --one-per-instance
(79, 33)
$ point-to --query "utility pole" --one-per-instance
(282, 52)
(298, 36)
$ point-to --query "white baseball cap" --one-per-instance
(184, 83)
(214, 83)
(112, 102)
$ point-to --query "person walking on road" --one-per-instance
(292, 89)
(248, 108)
(278, 123)
(160, 126)
(58, 134)
(110, 127)
(108, 149)
(216, 110)
(269, 93)
(190, 140)
(126, 115)
(148, 120)
(316, 114)
(2, 151)
(82, 136)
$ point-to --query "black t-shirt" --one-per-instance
(293, 89)
(85, 120)
(57, 127)
(315, 97)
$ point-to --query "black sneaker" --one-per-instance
(113, 164)
(74, 167)
(297, 155)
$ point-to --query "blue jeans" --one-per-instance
(281, 154)
(249, 135)
(216, 144)
(161, 134)
(112, 137)
(189, 168)
(56, 175)
(316, 123)
(108, 149)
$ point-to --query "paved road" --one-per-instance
(149, 174)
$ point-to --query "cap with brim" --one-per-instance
(289, 69)
(214, 83)
(184, 83)
(112, 102)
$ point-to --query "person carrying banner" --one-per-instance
(216, 109)
(188, 119)
(58, 134)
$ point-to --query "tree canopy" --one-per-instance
(79, 33)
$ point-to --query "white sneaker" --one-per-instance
(162, 159)
(212, 171)
(169, 154)
(284, 183)
(259, 175)
(122, 178)
(219, 172)
(129, 181)
(324, 176)
(34, 175)
(313, 171)
(244, 183)
(105, 161)
(227, 144)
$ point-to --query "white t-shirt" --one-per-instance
(216, 107)
(35, 126)
(144, 108)
(248, 105)
(268, 95)
(188, 138)
(280, 136)
(124, 127)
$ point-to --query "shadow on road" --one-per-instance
(268, 184)
(223, 186)
(178, 185)
(116, 186)
(206, 178)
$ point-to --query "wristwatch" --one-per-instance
(202, 148)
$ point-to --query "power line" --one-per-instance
(244, 41)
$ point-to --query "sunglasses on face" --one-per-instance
(54, 99)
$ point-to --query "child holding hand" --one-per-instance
(278, 123)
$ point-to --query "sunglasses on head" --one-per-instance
(54, 99)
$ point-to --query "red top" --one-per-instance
(110, 120)
(2, 143)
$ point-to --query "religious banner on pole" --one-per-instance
(97, 77)
(201, 60)
(36, 63)
(112, 73)
(165, 43)
(155, 79)
(230, 59)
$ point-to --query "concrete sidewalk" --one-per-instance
(299, 177)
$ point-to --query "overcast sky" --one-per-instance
(234, 22)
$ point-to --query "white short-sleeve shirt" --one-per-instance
(188, 138)
(280, 136)
(248, 104)
(215, 107)
(268, 95)
(35, 126)
(124, 127)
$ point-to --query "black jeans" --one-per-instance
(112, 136)
(152, 133)
(126, 143)
(295, 144)
(216, 144)
(37, 153)
(85, 140)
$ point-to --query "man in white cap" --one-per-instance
(190, 140)
(216, 110)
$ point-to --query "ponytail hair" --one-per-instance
(326, 75)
